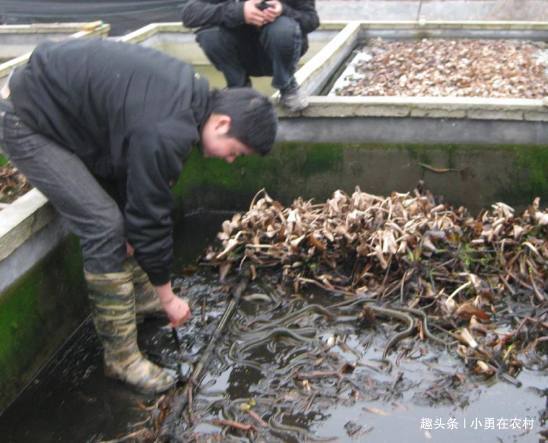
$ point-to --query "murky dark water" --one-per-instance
(427, 387)
(422, 390)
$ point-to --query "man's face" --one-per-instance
(217, 143)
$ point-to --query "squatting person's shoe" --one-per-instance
(113, 310)
(293, 99)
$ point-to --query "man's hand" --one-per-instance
(253, 15)
(274, 11)
(177, 311)
(176, 308)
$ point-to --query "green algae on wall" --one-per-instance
(471, 175)
(37, 314)
(3, 160)
(533, 162)
(323, 158)
(215, 184)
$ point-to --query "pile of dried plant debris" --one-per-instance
(459, 68)
(481, 281)
(13, 184)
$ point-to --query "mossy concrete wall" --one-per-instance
(36, 314)
(471, 175)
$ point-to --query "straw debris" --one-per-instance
(465, 275)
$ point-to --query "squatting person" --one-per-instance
(255, 38)
(103, 129)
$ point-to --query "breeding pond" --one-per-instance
(317, 366)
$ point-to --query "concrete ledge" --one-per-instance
(73, 30)
(413, 29)
(433, 9)
(416, 29)
(412, 130)
(44, 28)
(432, 107)
(148, 31)
(317, 72)
(40, 240)
(22, 219)
(152, 29)
(484, 10)
(500, 25)
(172, 38)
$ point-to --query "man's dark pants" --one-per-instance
(272, 50)
(90, 212)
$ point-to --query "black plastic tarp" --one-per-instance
(123, 16)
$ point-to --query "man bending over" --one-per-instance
(103, 129)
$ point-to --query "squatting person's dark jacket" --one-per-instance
(131, 114)
(230, 13)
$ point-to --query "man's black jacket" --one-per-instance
(230, 13)
(131, 114)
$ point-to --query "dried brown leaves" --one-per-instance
(364, 242)
(405, 248)
(458, 68)
(12, 184)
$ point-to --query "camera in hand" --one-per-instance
(263, 5)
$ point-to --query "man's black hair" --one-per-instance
(253, 119)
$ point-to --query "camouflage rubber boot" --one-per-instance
(113, 310)
(146, 300)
